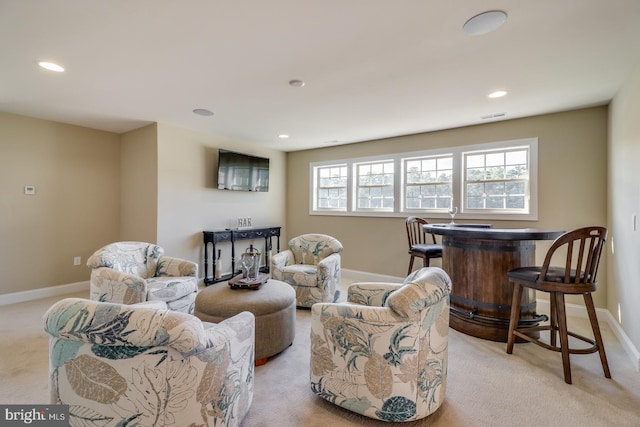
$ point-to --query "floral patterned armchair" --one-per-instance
(119, 365)
(311, 266)
(383, 354)
(132, 272)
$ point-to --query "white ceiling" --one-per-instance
(373, 68)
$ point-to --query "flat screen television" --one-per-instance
(242, 172)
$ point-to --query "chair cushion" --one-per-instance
(170, 288)
(426, 249)
(531, 274)
(300, 275)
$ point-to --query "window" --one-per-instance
(331, 187)
(375, 186)
(486, 181)
(497, 180)
(428, 182)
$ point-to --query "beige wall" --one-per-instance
(624, 202)
(139, 185)
(153, 184)
(189, 201)
(76, 206)
(572, 155)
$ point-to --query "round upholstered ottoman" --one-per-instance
(274, 306)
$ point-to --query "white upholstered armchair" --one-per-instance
(383, 354)
(132, 272)
(146, 365)
(311, 266)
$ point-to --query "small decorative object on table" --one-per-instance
(250, 261)
(240, 282)
(452, 213)
(218, 272)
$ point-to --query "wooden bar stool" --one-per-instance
(419, 244)
(580, 251)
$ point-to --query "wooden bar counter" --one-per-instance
(477, 258)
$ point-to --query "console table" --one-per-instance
(233, 235)
(477, 258)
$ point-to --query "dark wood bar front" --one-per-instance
(477, 258)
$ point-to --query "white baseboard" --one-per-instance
(604, 316)
(51, 291)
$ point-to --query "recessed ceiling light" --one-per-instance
(497, 94)
(296, 83)
(283, 136)
(51, 66)
(484, 23)
(203, 112)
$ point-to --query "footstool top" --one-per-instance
(221, 301)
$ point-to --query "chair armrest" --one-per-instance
(115, 286)
(176, 267)
(329, 262)
(371, 293)
(282, 259)
(235, 334)
(329, 266)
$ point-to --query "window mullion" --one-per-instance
(351, 200)
(458, 179)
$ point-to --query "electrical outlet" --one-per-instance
(77, 260)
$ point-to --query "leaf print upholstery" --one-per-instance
(383, 353)
(95, 380)
(147, 365)
(133, 272)
(311, 265)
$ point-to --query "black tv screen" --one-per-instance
(242, 172)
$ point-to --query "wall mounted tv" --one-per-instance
(242, 172)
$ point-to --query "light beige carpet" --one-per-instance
(486, 386)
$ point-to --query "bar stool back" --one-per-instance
(421, 245)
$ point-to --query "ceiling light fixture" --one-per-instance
(203, 112)
(497, 94)
(283, 136)
(50, 66)
(296, 83)
(484, 23)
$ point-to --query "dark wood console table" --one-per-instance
(477, 258)
(233, 235)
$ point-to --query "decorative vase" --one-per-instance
(218, 266)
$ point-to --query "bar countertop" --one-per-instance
(486, 231)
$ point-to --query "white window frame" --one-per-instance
(357, 185)
(441, 201)
(458, 184)
(315, 178)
